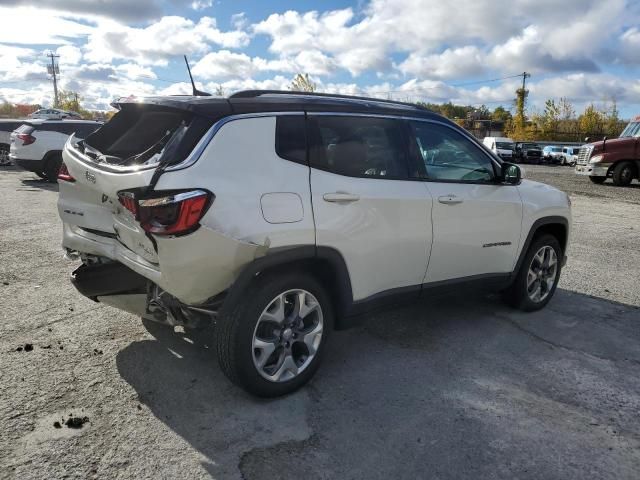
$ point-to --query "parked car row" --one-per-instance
(36, 144)
(529, 152)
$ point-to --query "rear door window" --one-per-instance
(291, 142)
(359, 146)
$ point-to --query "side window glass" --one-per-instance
(448, 155)
(291, 142)
(359, 146)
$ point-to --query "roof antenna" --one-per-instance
(196, 92)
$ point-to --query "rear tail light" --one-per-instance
(128, 201)
(27, 139)
(63, 174)
(172, 214)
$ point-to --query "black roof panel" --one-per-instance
(256, 101)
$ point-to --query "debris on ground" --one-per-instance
(27, 347)
(97, 352)
(56, 424)
(76, 422)
(46, 347)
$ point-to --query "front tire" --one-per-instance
(537, 279)
(271, 343)
(598, 180)
(623, 173)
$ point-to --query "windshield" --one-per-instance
(504, 145)
(631, 130)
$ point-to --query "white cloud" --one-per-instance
(201, 4)
(69, 55)
(37, 26)
(451, 63)
(155, 44)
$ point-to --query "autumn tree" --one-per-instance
(591, 121)
(302, 83)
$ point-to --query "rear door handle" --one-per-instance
(340, 197)
(450, 199)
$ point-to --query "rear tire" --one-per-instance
(537, 279)
(623, 173)
(4, 155)
(52, 167)
(249, 324)
(598, 180)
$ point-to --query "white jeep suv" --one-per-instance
(283, 216)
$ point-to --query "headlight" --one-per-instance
(595, 159)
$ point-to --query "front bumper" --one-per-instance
(593, 169)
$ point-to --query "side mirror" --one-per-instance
(511, 173)
(586, 139)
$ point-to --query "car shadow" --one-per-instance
(453, 386)
(38, 183)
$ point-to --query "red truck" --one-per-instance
(618, 158)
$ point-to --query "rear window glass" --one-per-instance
(24, 129)
(291, 143)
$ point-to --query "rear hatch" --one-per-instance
(21, 137)
(125, 157)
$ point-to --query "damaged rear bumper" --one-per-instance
(193, 268)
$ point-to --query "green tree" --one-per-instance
(302, 83)
(501, 114)
(551, 116)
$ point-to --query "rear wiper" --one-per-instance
(168, 155)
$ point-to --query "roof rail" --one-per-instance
(258, 93)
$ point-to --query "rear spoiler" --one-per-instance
(213, 107)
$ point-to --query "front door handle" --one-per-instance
(450, 199)
(340, 197)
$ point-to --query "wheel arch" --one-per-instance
(325, 263)
(554, 225)
(51, 154)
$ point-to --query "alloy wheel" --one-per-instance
(542, 274)
(287, 335)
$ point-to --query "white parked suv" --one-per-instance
(283, 216)
(37, 145)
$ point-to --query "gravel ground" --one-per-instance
(450, 388)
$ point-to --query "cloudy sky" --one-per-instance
(430, 50)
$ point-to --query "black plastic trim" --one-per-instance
(107, 279)
(552, 220)
(343, 294)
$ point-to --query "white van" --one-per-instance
(501, 146)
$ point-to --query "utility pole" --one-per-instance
(54, 70)
(521, 96)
